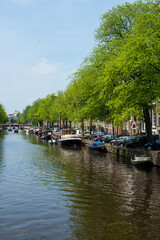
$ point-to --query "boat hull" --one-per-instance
(141, 161)
(98, 149)
(97, 146)
(70, 141)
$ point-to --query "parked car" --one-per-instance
(107, 138)
(120, 141)
(86, 135)
(153, 145)
(138, 141)
(92, 136)
(96, 136)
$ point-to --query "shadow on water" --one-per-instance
(107, 198)
(2, 162)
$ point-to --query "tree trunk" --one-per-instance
(82, 125)
(60, 126)
(66, 123)
(113, 131)
(147, 119)
(91, 127)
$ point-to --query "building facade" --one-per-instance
(131, 127)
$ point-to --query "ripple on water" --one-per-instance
(48, 191)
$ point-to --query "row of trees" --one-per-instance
(120, 78)
(3, 115)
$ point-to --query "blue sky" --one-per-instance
(42, 42)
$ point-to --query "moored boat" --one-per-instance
(97, 146)
(46, 135)
(9, 128)
(141, 159)
(53, 140)
(70, 137)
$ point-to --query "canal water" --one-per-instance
(53, 193)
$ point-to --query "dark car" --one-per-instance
(120, 141)
(153, 145)
(86, 134)
(107, 138)
(96, 136)
(138, 141)
(92, 136)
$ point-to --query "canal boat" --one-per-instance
(26, 129)
(9, 128)
(69, 137)
(97, 146)
(15, 130)
(38, 131)
(141, 159)
(46, 135)
(53, 140)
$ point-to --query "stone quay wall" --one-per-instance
(128, 153)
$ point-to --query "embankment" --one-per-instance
(127, 153)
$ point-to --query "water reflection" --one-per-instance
(72, 193)
(100, 191)
(2, 162)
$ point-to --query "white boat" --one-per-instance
(9, 128)
(53, 140)
(70, 137)
(141, 159)
(26, 130)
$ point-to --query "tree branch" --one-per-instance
(158, 70)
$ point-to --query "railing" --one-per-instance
(13, 125)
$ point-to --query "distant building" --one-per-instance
(13, 116)
(16, 113)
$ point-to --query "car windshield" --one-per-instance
(132, 138)
(109, 136)
(122, 137)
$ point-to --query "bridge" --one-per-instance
(17, 125)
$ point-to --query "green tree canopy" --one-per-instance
(3, 115)
(131, 80)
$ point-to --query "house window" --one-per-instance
(154, 120)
